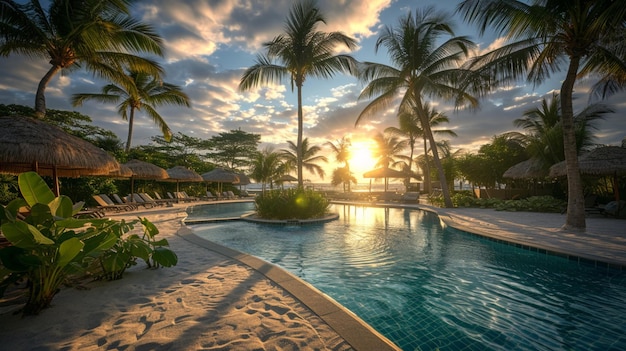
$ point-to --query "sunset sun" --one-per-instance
(362, 159)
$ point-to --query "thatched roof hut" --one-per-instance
(606, 160)
(146, 170)
(180, 173)
(530, 169)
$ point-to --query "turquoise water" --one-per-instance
(427, 288)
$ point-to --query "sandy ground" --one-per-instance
(206, 302)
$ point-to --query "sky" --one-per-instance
(210, 43)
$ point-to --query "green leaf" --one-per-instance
(100, 243)
(68, 250)
(164, 257)
(149, 227)
(10, 257)
(24, 235)
(40, 214)
(34, 189)
(11, 210)
(162, 242)
(62, 207)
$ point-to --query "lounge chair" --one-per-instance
(591, 205)
(184, 197)
(209, 196)
(119, 201)
(147, 198)
(136, 199)
(102, 205)
(410, 197)
(108, 200)
(168, 202)
(231, 195)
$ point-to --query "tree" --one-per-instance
(267, 166)
(100, 36)
(342, 155)
(388, 151)
(234, 149)
(425, 66)
(303, 51)
(139, 92)
(308, 159)
(181, 150)
(545, 36)
(410, 127)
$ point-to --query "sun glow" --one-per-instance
(362, 159)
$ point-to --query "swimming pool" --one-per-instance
(428, 288)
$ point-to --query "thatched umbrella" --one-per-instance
(144, 170)
(287, 178)
(219, 176)
(384, 173)
(180, 173)
(603, 161)
(28, 144)
(530, 169)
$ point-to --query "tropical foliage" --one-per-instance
(49, 244)
(99, 36)
(309, 157)
(296, 203)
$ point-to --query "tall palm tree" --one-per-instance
(546, 36)
(100, 36)
(139, 92)
(303, 51)
(410, 126)
(342, 175)
(341, 149)
(424, 66)
(389, 152)
(308, 158)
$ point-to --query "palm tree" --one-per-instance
(342, 175)
(303, 51)
(342, 154)
(422, 69)
(545, 36)
(267, 166)
(544, 140)
(309, 158)
(389, 149)
(97, 35)
(140, 91)
(410, 127)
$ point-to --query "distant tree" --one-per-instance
(267, 167)
(389, 152)
(303, 52)
(310, 159)
(99, 36)
(235, 149)
(342, 175)
(181, 150)
(138, 91)
(341, 150)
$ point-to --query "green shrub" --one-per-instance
(533, 204)
(291, 204)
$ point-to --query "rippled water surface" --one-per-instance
(427, 288)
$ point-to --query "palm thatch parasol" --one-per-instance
(384, 173)
(143, 170)
(123, 172)
(532, 168)
(180, 173)
(243, 179)
(287, 178)
(28, 144)
(603, 161)
(219, 176)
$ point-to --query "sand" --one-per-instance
(206, 302)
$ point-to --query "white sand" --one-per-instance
(206, 302)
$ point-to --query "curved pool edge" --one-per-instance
(360, 335)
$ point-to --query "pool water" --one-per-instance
(429, 288)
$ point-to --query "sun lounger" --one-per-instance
(160, 198)
(410, 197)
(136, 199)
(209, 196)
(119, 201)
(102, 205)
(108, 200)
(147, 198)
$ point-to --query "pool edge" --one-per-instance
(356, 332)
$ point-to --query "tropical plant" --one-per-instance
(267, 166)
(410, 127)
(427, 64)
(49, 244)
(585, 37)
(296, 203)
(309, 157)
(233, 149)
(342, 153)
(100, 36)
(303, 51)
(138, 91)
(388, 152)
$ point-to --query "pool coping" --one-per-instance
(355, 331)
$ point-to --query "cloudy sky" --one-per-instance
(210, 43)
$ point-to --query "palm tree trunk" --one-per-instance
(575, 219)
(130, 129)
(300, 127)
(40, 98)
(427, 166)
